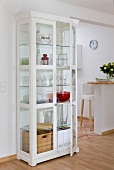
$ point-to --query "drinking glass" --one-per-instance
(38, 35)
(65, 77)
(50, 78)
(65, 116)
(44, 80)
(46, 116)
(38, 80)
(50, 112)
(50, 59)
(61, 79)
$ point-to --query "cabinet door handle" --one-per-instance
(72, 104)
(56, 104)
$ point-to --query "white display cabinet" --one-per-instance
(46, 87)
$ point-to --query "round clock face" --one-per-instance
(93, 44)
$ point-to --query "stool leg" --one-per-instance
(90, 114)
(82, 110)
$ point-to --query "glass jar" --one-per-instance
(44, 59)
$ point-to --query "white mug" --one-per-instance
(39, 97)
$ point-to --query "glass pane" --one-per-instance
(24, 86)
(24, 44)
(44, 86)
(24, 130)
(74, 126)
(44, 130)
(63, 130)
(44, 44)
(63, 44)
(63, 85)
(73, 46)
(73, 85)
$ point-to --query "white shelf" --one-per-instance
(24, 67)
(44, 67)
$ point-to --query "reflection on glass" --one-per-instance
(44, 130)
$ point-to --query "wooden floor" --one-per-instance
(96, 153)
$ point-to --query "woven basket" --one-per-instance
(44, 126)
(44, 141)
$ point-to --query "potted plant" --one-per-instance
(108, 69)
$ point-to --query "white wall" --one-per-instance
(8, 10)
(93, 59)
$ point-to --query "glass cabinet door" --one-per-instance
(45, 88)
(45, 70)
(73, 90)
(23, 116)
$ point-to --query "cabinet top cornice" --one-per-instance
(35, 14)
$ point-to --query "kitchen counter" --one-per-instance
(103, 107)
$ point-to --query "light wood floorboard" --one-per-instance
(96, 153)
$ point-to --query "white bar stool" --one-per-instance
(87, 94)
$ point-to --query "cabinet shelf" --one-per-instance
(63, 46)
(39, 44)
(24, 44)
(64, 126)
(63, 67)
(48, 85)
(59, 126)
(61, 103)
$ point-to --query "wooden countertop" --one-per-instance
(101, 82)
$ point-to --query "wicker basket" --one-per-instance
(43, 126)
(44, 140)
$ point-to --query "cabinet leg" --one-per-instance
(18, 157)
(77, 150)
(32, 164)
(82, 110)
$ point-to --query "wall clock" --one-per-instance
(93, 44)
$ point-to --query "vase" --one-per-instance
(109, 77)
